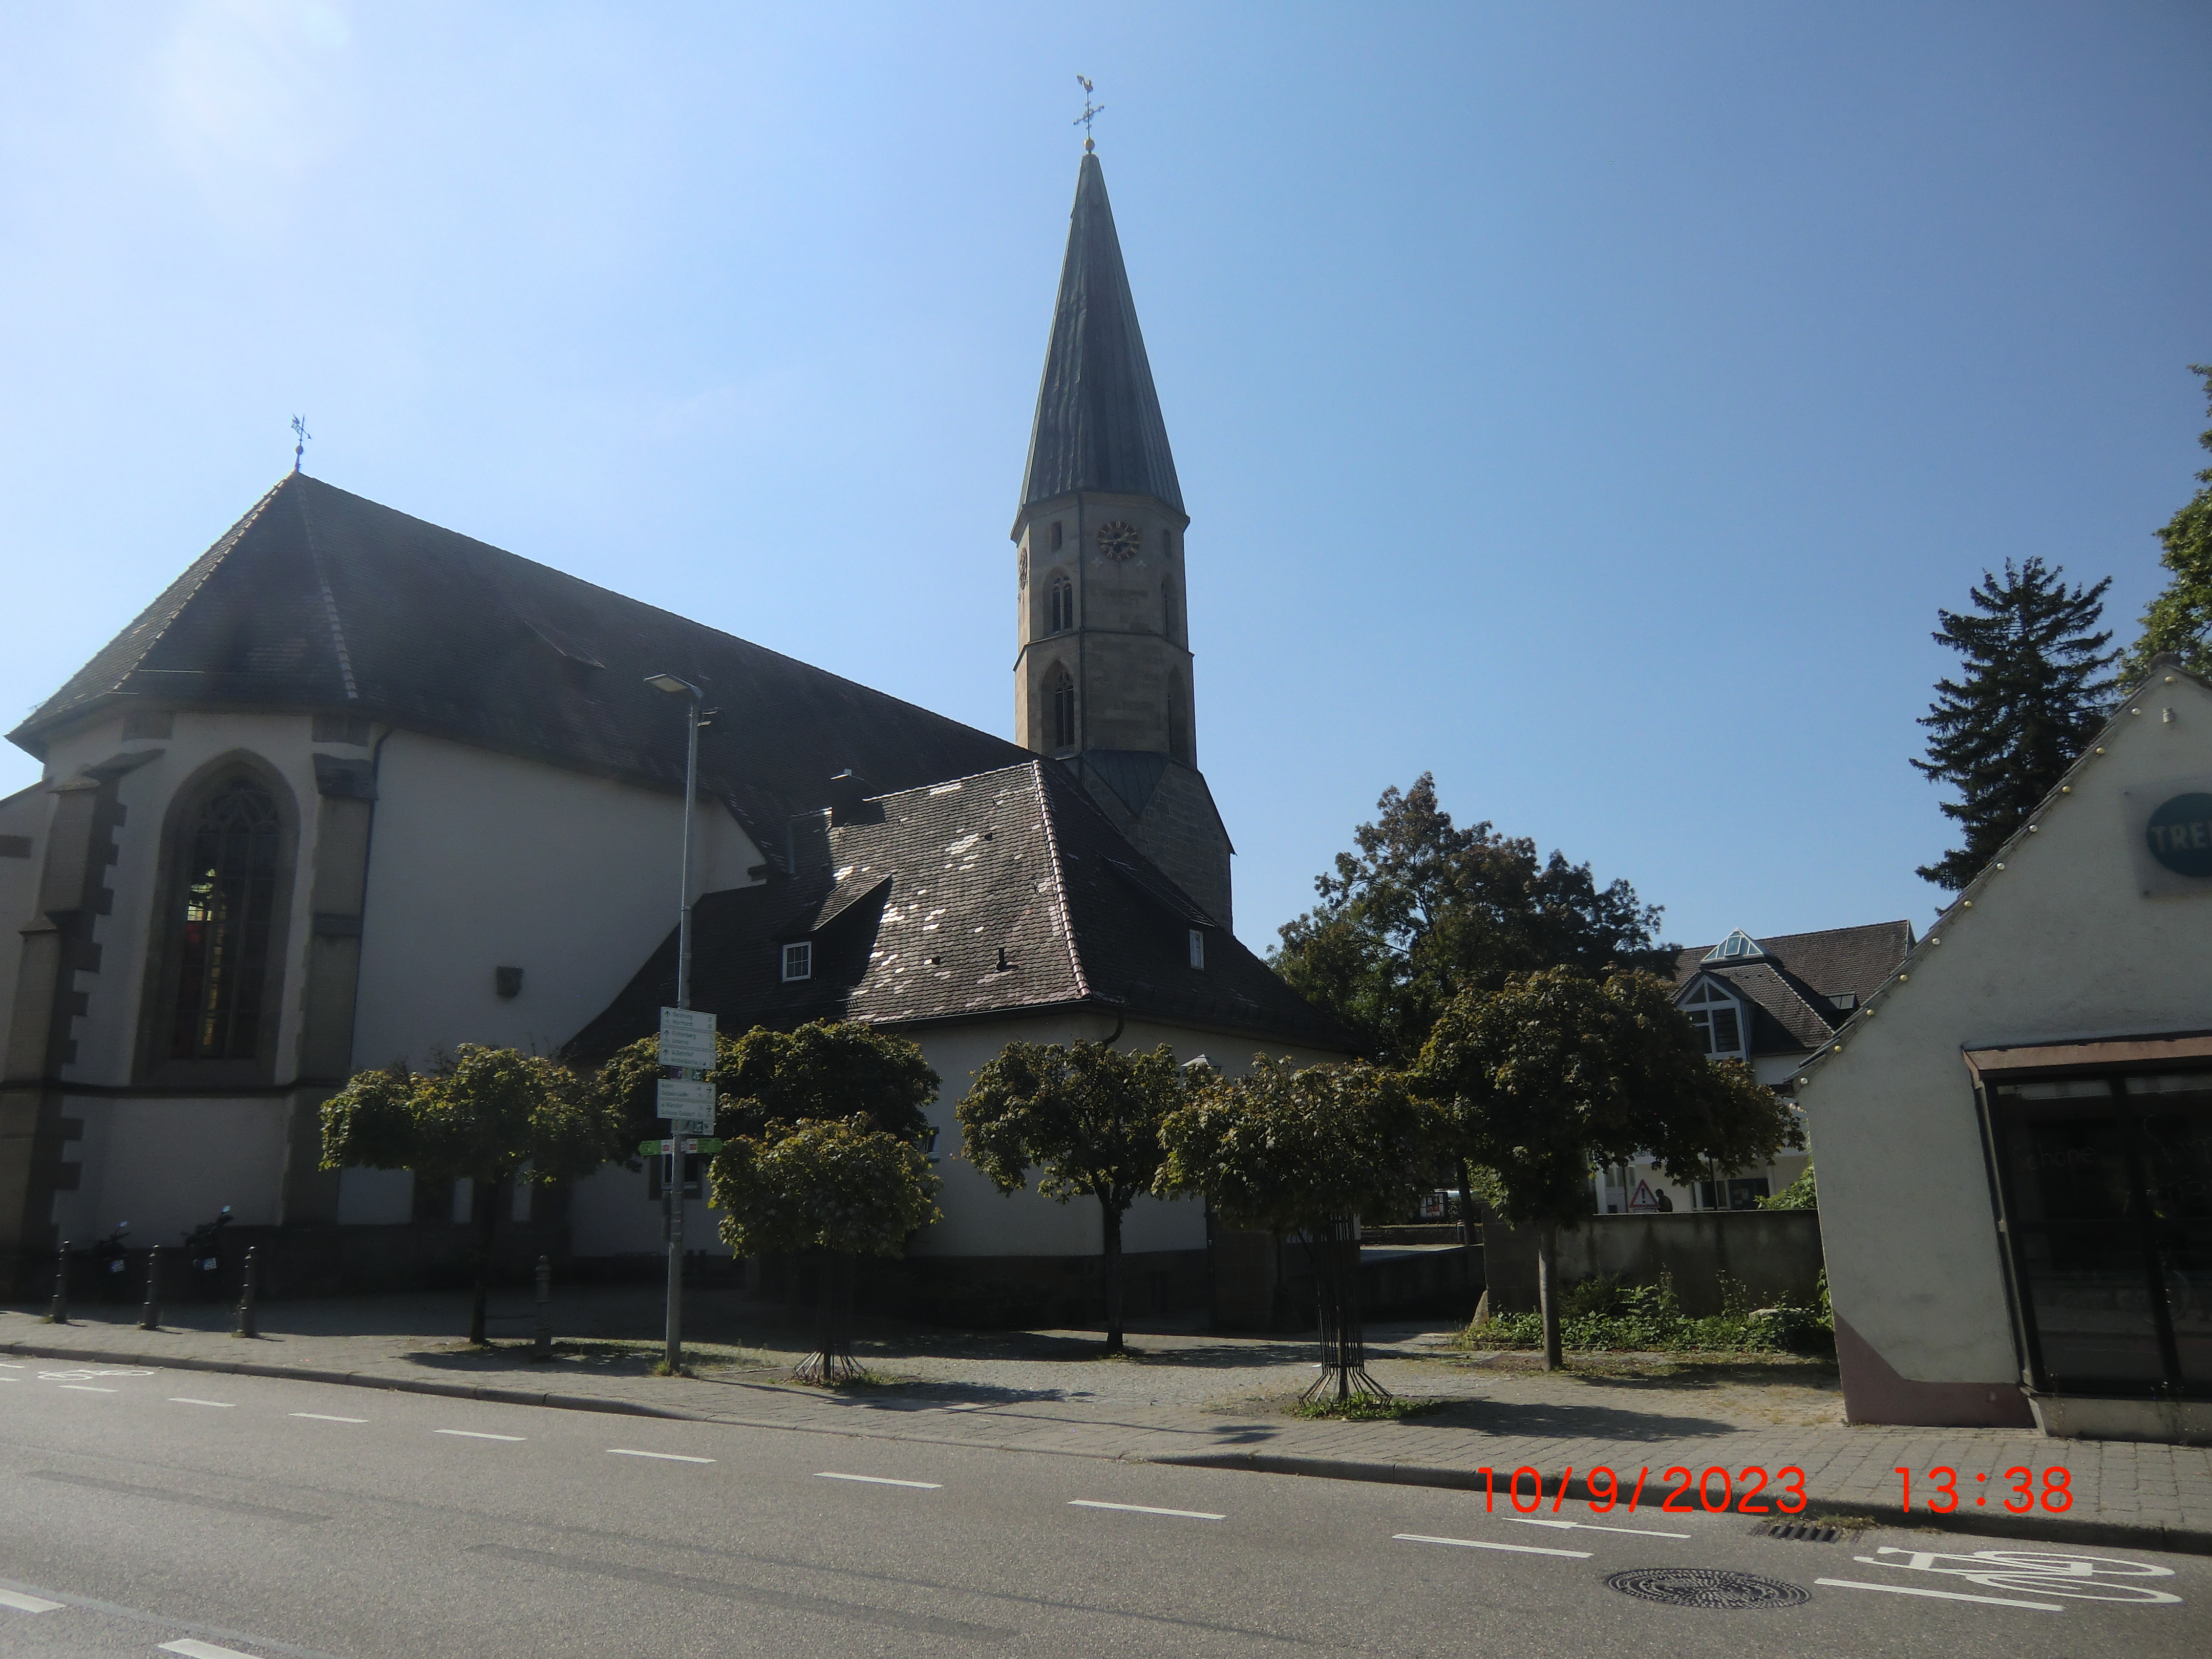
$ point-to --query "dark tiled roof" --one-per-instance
(915, 905)
(1790, 990)
(318, 598)
(1098, 424)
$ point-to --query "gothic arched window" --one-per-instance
(1178, 720)
(223, 901)
(1063, 605)
(1060, 691)
(1167, 607)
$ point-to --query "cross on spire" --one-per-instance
(1090, 112)
(300, 434)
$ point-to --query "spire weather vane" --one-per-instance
(1090, 112)
(300, 434)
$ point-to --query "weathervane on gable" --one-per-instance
(1090, 112)
(300, 435)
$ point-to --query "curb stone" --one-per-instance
(2038, 1528)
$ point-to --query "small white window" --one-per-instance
(1198, 947)
(799, 960)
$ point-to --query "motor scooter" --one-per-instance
(204, 1257)
(108, 1264)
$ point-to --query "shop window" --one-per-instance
(694, 1175)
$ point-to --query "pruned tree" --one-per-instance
(2179, 619)
(2034, 687)
(1088, 1116)
(827, 1069)
(838, 1187)
(491, 1116)
(1305, 1152)
(1557, 1073)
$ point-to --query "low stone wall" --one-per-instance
(1775, 1254)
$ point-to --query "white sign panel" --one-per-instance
(687, 1039)
(683, 1102)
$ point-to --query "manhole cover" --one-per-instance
(1705, 1587)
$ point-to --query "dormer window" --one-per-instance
(1198, 947)
(1738, 947)
(799, 960)
(1718, 1021)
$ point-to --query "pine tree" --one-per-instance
(2179, 619)
(2033, 692)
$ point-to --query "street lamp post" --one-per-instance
(673, 1189)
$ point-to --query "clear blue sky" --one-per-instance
(1592, 404)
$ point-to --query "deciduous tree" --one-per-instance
(1306, 1152)
(2033, 690)
(1557, 1072)
(491, 1116)
(2179, 619)
(1088, 1116)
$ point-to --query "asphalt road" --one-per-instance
(149, 1511)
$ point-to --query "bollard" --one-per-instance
(149, 1317)
(57, 1313)
(544, 1350)
(245, 1327)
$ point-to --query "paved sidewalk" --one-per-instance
(1197, 1400)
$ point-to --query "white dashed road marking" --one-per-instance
(667, 1457)
(88, 1388)
(1942, 1595)
(186, 1400)
(23, 1603)
(1480, 1544)
(877, 1479)
(192, 1649)
(325, 1417)
(1586, 1526)
(478, 1434)
(1144, 1509)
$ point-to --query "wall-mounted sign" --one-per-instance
(2171, 826)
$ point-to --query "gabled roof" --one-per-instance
(1098, 424)
(1000, 894)
(1790, 985)
(320, 600)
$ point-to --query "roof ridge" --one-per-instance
(1054, 865)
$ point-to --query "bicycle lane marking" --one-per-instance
(2036, 1573)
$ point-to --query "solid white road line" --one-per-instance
(1480, 1544)
(1590, 1526)
(325, 1417)
(878, 1479)
(1944, 1595)
(666, 1458)
(478, 1434)
(85, 1387)
(186, 1400)
(23, 1603)
(1144, 1509)
(192, 1649)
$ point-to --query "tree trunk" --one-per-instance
(1547, 1292)
(832, 1360)
(1335, 1259)
(1113, 1218)
(1465, 1206)
(485, 1195)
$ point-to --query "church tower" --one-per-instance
(1103, 678)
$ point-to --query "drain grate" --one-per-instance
(1705, 1587)
(1801, 1532)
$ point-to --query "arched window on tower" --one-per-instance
(1178, 720)
(1167, 608)
(1060, 694)
(222, 903)
(1063, 605)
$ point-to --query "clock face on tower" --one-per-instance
(1117, 541)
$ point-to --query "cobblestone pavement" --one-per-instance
(1196, 1399)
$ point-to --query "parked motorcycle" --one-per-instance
(110, 1281)
(204, 1257)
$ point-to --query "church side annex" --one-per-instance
(356, 789)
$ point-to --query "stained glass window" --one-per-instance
(227, 878)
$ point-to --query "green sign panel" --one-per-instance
(2179, 835)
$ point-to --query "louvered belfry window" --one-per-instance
(1061, 685)
(228, 876)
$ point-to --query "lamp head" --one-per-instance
(673, 686)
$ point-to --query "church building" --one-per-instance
(358, 789)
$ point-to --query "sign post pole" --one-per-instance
(681, 1098)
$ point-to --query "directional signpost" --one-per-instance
(687, 1100)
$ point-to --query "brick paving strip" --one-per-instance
(2128, 1493)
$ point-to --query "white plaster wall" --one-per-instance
(376, 1198)
(611, 1214)
(481, 860)
(166, 1165)
(2061, 945)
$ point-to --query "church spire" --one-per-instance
(1098, 425)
